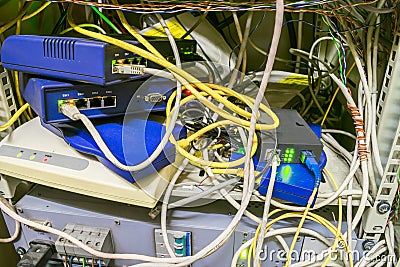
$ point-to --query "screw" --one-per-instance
(117, 222)
(368, 244)
(21, 251)
(383, 207)
(19, 209)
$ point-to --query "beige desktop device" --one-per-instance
(33, 154)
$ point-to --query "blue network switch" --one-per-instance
(81, 60)
(96, 101)
(294, 181)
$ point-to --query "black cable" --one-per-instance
(311, 82)
(316, 28)
(188, 32)
(292, 34)
(238, 46)
(207, 58)
(60, 8)
(230, 35)
(257, 24)
(60, 21)
(228, 21)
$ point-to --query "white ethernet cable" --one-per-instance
(371, 253)
(248, 171)
(375, 147)
(242, 50)
(164, 206)
(241, 56)
(390, 242)
(95, 253)
(267, 205)
(325, 202)
(179, 91)
(324, 38)
(281, 231)
(364, 164)
(202, 194)
(17, 230)
(73, 113)
(335, 131)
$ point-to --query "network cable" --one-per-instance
(17, 18)
(37, 11)
(186, 79)
(366, 140)
(236, 219)
(17, 230)
(14, 118)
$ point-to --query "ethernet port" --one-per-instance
(95, 102)
(81, 103)
(136, 60)
(139, 61)
(110, 101)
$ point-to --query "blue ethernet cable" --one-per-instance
(308, 158)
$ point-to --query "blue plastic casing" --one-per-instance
(130, 145)
(75, 59)
(293, 183)
(43, 96)
(58, 57)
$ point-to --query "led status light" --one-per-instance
(286, 173)
(243, 254)
(288, 155)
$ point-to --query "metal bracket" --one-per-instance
(376, 217)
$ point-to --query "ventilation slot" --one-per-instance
(59, 48)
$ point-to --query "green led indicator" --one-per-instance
(291, 156)
(243, 254)
(286, 172)
(241, 151)
(187, 53)
(285, 159)
(292, 150)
